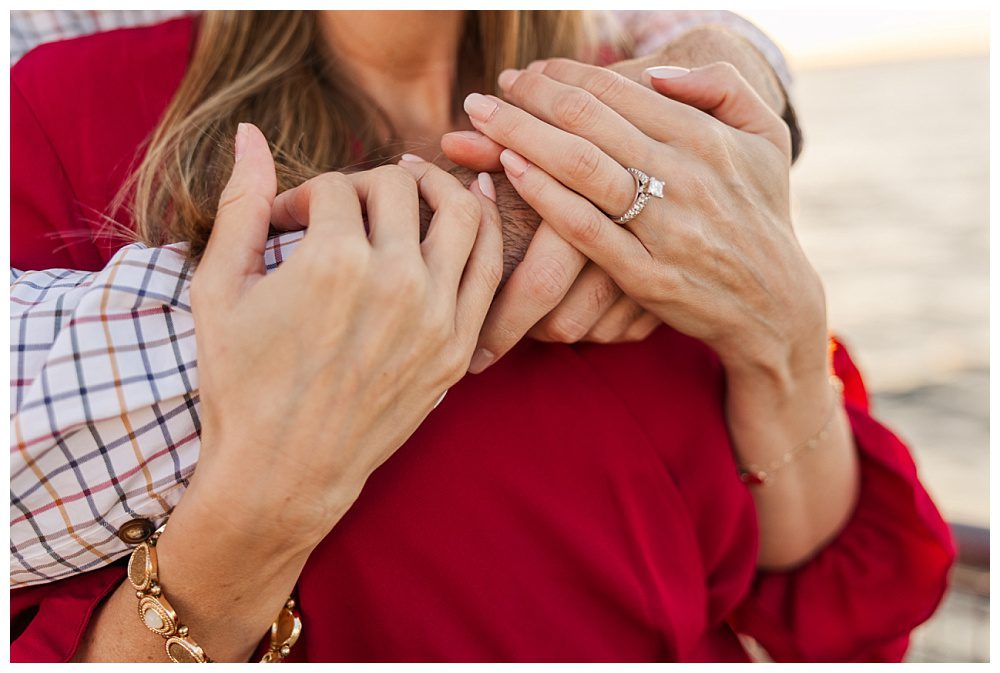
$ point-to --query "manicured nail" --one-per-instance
(515, 164)
(479, 107)
(667, 72)
(487, 188)
(241, 140)
(468, 135)
(411, 157)
(481, 359)
(536, 66)
(507, 78)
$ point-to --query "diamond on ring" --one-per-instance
(645, 187)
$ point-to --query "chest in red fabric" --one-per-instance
(532, 517)
(572, 503)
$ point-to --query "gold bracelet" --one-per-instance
(159, 616)
(761, 476)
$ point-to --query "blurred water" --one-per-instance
(891, 203)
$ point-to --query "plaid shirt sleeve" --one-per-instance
(32, 27)
(104, 405)
(650, 30)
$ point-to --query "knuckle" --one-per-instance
(547, 280)
(575, 109)
(394, 176)
(464, 206)
(605, 84)
(601, 335)
(491, 273)
(566, 328)
(406, 281)
(587, 227)
(584, 162)
(348, 258)
(601, 294)
(254, 203)
(326, 182)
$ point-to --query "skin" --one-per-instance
(556, 293)
(259, 538)
(716, 259)
(369, 334)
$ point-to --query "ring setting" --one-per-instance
(646, 186)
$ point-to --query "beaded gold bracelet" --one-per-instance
(761, 476)
(159, 616)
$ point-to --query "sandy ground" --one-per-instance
(892, 207)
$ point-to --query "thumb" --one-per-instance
(721, 91)
(235, 248)
(473, 150)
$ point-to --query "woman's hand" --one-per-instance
(315, 374)
(554, 293)
(717, 257)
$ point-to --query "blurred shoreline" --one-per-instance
(891, 202)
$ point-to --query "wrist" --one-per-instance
(265, 507)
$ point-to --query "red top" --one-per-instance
(571, 503)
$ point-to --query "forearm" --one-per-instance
(805, 503)
(519, 220)
(225, 584)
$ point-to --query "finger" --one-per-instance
(235, 247)
(455, 223)
(615, 322)
(581, 113)
(643, 326)
(536, 286)
(485, 266)
(392, 202)
(593, 293)
(577, 221)
(473, 150)
(659, 118)
(721, 91)
(328, 204)
(574, 161)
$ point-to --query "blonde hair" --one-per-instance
(270, 68)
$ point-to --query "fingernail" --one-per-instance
(481, 359)
(515, 164)
(487, 188)
(468, 135)
(536, 66)
(507, 78)
(411, 157)
(667, 72)
(241, 140)
(479, 107)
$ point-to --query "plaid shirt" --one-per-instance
(104, 405)
(104, 383)
(648, 31)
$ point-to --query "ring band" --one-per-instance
(645, 187)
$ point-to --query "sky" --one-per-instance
(831, 38)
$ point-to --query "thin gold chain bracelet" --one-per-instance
(159, 616)
(762, 475)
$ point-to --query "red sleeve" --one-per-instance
(885, 573)
(81, 111)
(48, 620)
(45, 227)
